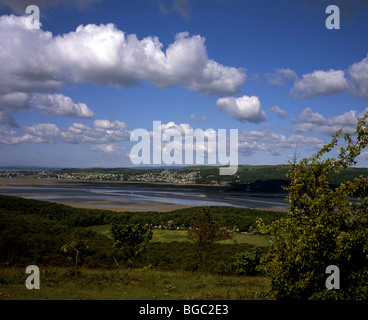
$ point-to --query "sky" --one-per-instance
(74, 90)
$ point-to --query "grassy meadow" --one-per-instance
(33, 232)
(165, 235)
(135, 284)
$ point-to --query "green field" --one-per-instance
(60, 284)
(33, 232)
(164, 235)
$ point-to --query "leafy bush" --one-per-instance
(246, 262)
(323, 226)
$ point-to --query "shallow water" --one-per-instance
(131, 195)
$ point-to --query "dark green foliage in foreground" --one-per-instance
(246, 262)
(131, 239)
(323, 226)
(34, 232)
(204, 231)
(77, 247)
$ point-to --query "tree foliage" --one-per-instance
(246, 262)
(324, 226)
(205, 230)
(76, 247)
(131, 239)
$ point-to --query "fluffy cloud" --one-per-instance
(243, 109)
(8, 136)
(359, 78)
(52, 104)
(319, 83)
(174, 136)
(110, 149)
(26, 63)
(280, 76)
(309, 121)
(15, 100)
(281, 113)
(100, 135)
(101, 132)
(38, 133)
(363, 155)
(58, 104)
(251, 142)
(6, 118)
(105, 55)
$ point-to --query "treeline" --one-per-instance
(241, 218)
(34, 231)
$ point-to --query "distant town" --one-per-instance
(128, 175)
(267, 178)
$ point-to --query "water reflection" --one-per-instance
(123, 195)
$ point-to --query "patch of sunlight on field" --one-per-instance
(101, 229)
(169, 235)
(164, 235)
(255, 240)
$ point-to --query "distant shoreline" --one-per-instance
(7, 181)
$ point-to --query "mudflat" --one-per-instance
(121, 196)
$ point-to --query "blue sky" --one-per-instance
(72, 91)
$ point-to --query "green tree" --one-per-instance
(76, 247)
(246, 262)
(205, 230)
(324, 226)
(131, 239)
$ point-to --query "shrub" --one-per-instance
(246, 262)
(323, 226)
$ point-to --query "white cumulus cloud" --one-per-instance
(359, 78)
(101, 132)
(58, 104)
(244, 108)
(38, 133)
(309, 121)
(252, 142)
(110, 149)
(41, 62)
(319, 83)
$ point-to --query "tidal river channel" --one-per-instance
(132, 196)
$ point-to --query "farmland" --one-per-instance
(164, 235)
(37, 230)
